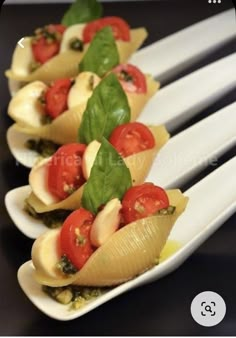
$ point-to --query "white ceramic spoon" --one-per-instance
(184, 98)
(205, 213)
(171, 106)
(183, 156)
(168, 56)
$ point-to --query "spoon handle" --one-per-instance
(211, 202)
(184, 98)
(194, 148)
(168, 56)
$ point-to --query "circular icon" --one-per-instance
(208, 308)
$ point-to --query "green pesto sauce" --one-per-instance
(44, 148)
(73, 295)
(52, 219)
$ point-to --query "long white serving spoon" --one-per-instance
(168, 56)
(205, 213)
(182, 157)
(172, 105)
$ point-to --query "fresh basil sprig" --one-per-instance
(106, 109)
(109, 178)
(102, 54)
(82, 11)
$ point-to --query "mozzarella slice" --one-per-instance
(74, 31)
(89, 158)
(45, 254)
(106, 223)
(82, 89)
(25, 107)
(38, 180)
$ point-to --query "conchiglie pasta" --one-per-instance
(64, 129)
(65, 64)
(127, 253)
(137, 101)
(139, 165)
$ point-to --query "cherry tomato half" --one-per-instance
(131, 138)
(131, 78)
(120, 28)
(142, 201)
(56, 97)
(47, 42)
(75, 237)
(65, 170)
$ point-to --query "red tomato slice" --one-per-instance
(131, 78)
(142, 201)
(75, 237)
(43, 48)
(43, 51)
(65, 170)
(120, 28)
(56, 97)
(131, 138)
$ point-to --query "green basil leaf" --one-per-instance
(82, 11)
(106, 109)
(102, 54)
(109, 178)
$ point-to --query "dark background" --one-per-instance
(161, 308)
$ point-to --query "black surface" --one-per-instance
(161, 308)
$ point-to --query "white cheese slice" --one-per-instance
(25, 107)
(106, 223)
(38, 180)
(89, 157)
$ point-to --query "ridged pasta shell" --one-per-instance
(64, 129)
(127, 253)
(64, 64)
(139, 164)
(138, 101)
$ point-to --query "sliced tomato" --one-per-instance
(120, 28)
(43, 51)
(65, 170)
(131, 78)
(56, 97)
(47, 42)
(142, 201)
(75, 237)
(131, 138)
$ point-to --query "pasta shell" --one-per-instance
(65, 64)
(137, 101)
(127, 253)
(138, 164)
(64, 129)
